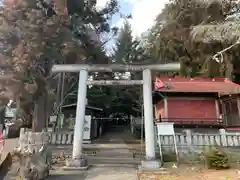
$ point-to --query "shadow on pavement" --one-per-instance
(5, 165)
(68, 176)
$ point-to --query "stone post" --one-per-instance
(223, 137)
(189, 139)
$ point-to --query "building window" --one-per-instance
(230, 112)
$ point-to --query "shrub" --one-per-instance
(217, 159)
(168, 156)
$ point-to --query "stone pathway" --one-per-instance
(117, 173)
(105, 171)
(96, 173)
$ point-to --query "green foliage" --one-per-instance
(170, 37)
(120, 99)
(124, 45)
(168, 156)
(217, 159)
(28, 78)
(116, 100)
(47, 33)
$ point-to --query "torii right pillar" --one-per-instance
(150, 162)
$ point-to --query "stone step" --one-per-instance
(113, 161)
(102, 154)
(114, 155)
(106, 160)
(106, 155)
(132, 165)
(86, 147)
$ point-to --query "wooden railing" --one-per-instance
(193, 121)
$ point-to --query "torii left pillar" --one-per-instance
(77, 157)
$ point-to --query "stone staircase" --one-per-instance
(110, 149)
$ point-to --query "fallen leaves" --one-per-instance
(185, 174)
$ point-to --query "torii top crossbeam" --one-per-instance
(171, 67)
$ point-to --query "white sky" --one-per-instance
(101, 3)
(143, 13)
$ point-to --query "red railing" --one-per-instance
(192, 121)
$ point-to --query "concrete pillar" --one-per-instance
(80, 116)
(148, 115)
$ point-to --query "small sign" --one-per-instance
(53, 119)
(61, 119)
(165, 129)
(10, 112)
(87, 128)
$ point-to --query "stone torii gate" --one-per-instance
(83, 70)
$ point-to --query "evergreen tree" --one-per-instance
(36, 34)
(184, 34)
(124, 45)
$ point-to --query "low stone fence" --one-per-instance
(33, 155)
(192, 140)
(189, 144)
(28, 139)
(187, 139)
(61, 138)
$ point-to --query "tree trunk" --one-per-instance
(229, 67)
(18, 108)
(40, 114)
(49, 109)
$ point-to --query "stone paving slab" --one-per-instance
(67, 175)
(96, 173)
(114, 173)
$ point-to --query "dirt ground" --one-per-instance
(185, 172)
(10, 144)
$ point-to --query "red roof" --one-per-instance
(221, 86)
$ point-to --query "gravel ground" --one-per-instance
(119, 173)
(192, 173)
(206, 175)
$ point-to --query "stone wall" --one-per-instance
(33, 155)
